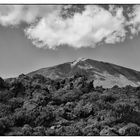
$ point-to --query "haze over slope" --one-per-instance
(105, 74)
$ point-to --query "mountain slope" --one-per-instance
(105, 74)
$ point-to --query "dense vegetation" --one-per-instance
(39, 106)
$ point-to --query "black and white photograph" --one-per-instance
(69, 69)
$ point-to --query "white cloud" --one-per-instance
(48, 29)
(134, 22)
(16, 14)
(10, 15)
(82, 30)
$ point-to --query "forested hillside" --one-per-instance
(39, 106)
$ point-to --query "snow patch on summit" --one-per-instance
(77, 61)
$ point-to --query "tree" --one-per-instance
(2, 83)
(5, 124)
(15, 103)
(27, 130)
(123, 111)
(39, 131)
(45, 117)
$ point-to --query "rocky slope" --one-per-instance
(105, 74)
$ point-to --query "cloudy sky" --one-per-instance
(37, 36)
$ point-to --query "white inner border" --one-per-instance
(70, 2)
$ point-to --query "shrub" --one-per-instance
(39, 131)
(46, 115)
(2, 84)
(123, 111)
(5, 124)
(27, 130)
(15, 103)
(4, 110)
(130, 129)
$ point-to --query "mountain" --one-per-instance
(105, 74)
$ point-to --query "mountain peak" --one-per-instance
(105, 74)
(77, 61)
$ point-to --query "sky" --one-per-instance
(35, 36)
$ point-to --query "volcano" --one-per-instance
(104, 74)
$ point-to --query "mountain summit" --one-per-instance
(78, 61)
(105, 74)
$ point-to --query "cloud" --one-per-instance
(16, 14)
(85, 29)
(134, 21)
(47, 28)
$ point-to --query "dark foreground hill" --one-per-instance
(73, 106)
(103, 74)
